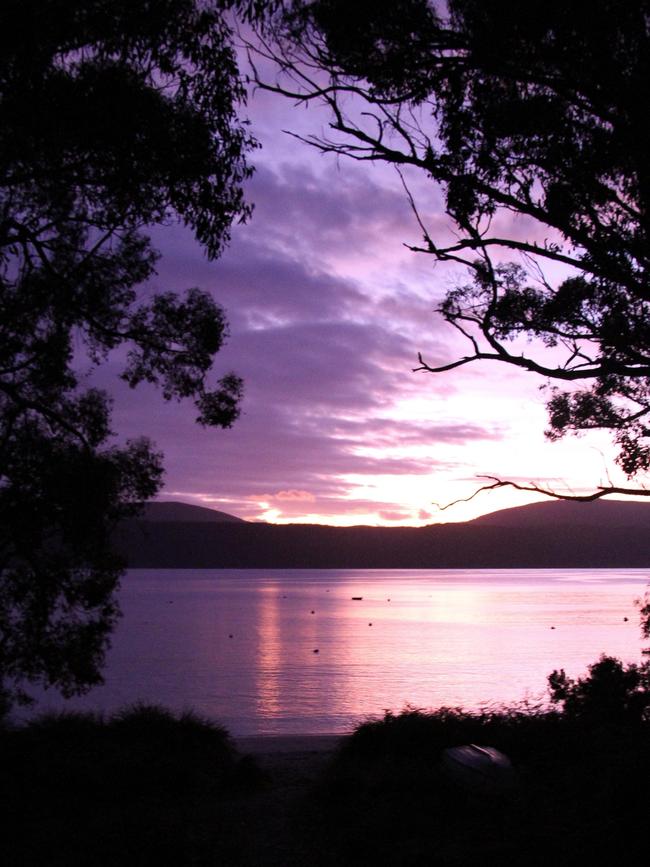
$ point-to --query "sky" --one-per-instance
(328, 310)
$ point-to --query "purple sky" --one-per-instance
(328, 310)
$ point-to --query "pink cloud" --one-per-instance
(387, 515)
(296, 496)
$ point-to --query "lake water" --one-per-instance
(239, 645)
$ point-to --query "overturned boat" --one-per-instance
(479, 768)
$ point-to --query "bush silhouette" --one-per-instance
(143, 787)
(612, 693)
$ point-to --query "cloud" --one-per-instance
(295, 496)
(320, 394)
(389, 432)
(399, 515)
(333, 211)
(258, 286)
(327, 312)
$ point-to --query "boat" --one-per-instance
(478, 768)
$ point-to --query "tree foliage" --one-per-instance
(113, 117)
(536, 111)
(611, 693)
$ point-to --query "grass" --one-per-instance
(147, 787)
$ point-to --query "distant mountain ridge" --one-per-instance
(599, 513)
(541, 535)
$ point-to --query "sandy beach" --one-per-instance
(290, 760)
(261, 745)
(273, 818)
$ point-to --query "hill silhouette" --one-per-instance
(180, 512)
(558, 513)
(541, 535)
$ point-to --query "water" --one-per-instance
(438, 637)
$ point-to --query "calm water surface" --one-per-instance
(239, 645)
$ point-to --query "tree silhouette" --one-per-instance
(538, 111)
(612, 692)
(113, 117)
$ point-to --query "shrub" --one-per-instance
(143, 787)
(612, 692)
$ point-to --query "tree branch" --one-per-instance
(599, 493)
(568, 375)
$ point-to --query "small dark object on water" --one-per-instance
(357, 598)
(313, 612)
(230, 636)
(625, 619)
(552, 627)
(315, 651)
(370, 624)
